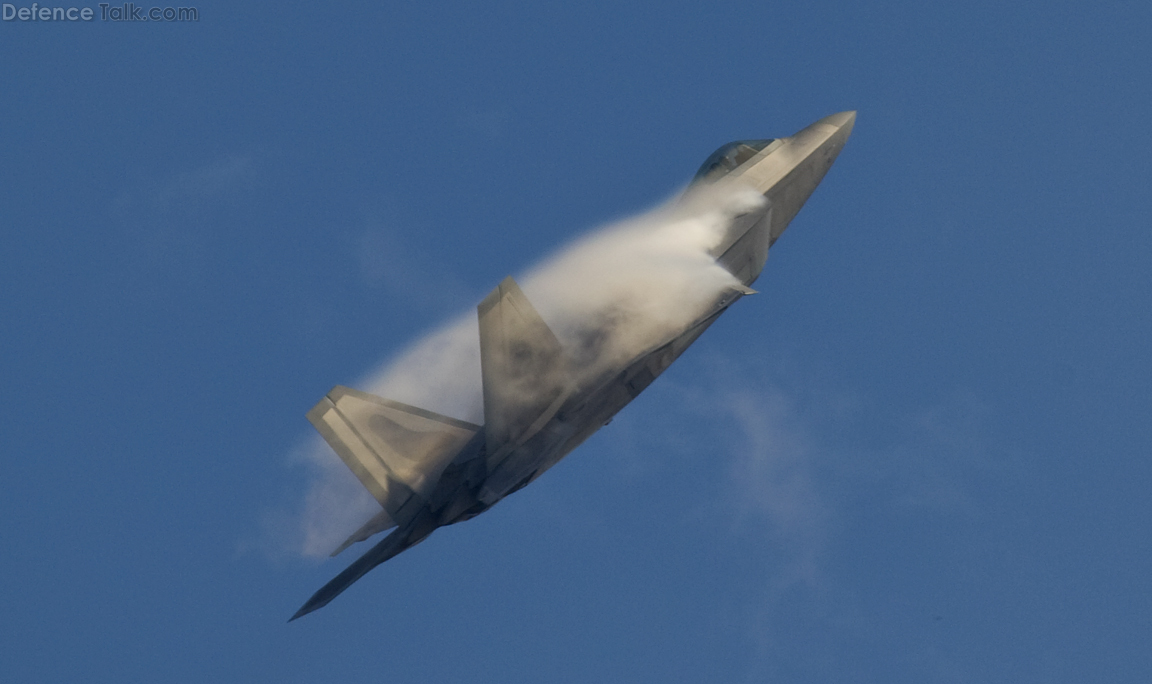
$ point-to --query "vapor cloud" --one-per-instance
(609, 296)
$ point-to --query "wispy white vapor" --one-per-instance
(631, 285)
(803, 478)
(335, 504)
(440, 372)
(608, 297)
(772, 474)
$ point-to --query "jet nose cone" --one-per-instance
(844, 121)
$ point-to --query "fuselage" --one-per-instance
(785, 171)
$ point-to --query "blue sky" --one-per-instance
(921, 454)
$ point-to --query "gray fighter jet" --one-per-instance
(429, 470)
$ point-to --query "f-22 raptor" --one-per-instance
(427, 470)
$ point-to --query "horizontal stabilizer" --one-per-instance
(377, 523)
(521, 364)
(396, 451)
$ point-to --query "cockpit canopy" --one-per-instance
(727, 158)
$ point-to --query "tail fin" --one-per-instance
(397, 451)
(521, 363)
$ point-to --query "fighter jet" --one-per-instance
(427, 470)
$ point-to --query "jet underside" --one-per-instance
(428, 470)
